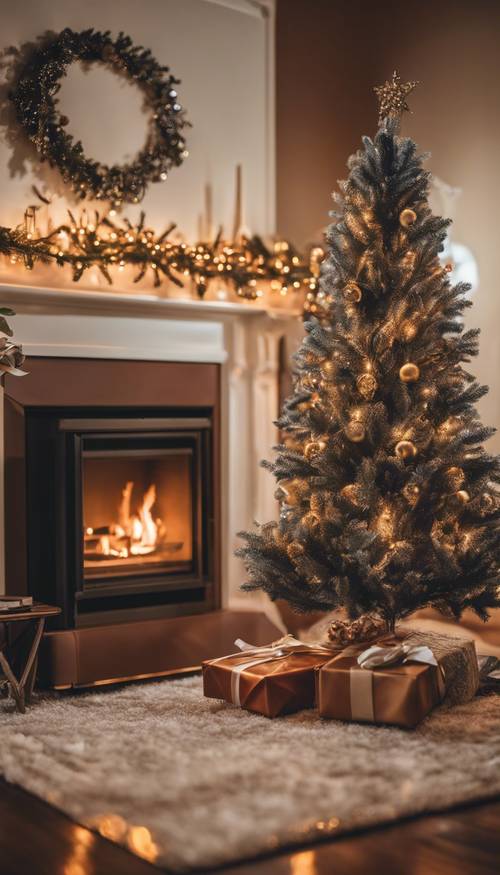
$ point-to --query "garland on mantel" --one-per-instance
(94, 241)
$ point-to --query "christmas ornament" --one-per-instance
(409, 373)
(314, 448)
(392, 97)
(352, 293)
(36, 82)
(367, 386)
(355, 431)
(406, 449)
(407, 218)
(455, 477)
(411, 492)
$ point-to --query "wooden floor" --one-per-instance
(35, 839)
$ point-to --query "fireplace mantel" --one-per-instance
(244, 339)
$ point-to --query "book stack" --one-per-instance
(10, 604)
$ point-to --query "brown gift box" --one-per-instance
(401, 694)
(261, 680)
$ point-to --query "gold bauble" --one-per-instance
(455, 477)
(411, 492)
(462, 496)
(406, 449)
(352, 293)
(409, 373)
(355, 431)
(313, 448)
(366, 385)
(407, 218)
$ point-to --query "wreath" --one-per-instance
(35, 102)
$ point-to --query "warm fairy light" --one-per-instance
(79, 861)
(102, 244)
(140, 841)
(303, 863)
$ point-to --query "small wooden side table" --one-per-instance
(22, 689)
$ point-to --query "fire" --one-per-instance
(133, 534)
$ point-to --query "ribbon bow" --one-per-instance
(268, 653)
(396, 654)
(376, 656)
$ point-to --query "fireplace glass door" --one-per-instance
(137, 511)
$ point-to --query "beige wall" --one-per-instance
(220, 51)
(330, 53)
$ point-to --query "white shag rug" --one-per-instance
(190, 782)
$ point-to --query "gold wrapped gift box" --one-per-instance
(400, 694)
(270, 681)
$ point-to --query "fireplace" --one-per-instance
(175, 398)
(115, 507)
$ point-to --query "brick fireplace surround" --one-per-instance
(106, 368)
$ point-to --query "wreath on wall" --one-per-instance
(34, 96)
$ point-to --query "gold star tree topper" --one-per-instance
(392, 97)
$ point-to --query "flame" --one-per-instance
(135, 534)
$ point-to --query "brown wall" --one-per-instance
(330, 53)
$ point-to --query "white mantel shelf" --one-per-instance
(38, 299)
(126, 325)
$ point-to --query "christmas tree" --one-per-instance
(388, 500)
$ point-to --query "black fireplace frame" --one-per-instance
(56, 441)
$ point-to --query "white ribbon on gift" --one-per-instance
(268, 653)
(376, 656)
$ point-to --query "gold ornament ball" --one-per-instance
(352, 293)
(407, 218)
(462, 496)
(367, 386)
(406, 449)
(355, 431)
(455, 476)
(409, 373)
(411, 492)
(313, 448)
